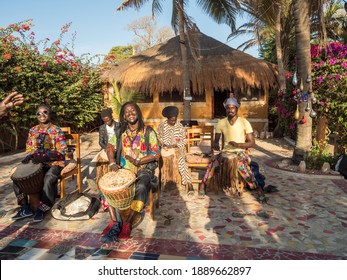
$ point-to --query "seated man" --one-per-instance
(106, 131)
(171, 135)
(135, 147)
(238, 136)
(45, 144)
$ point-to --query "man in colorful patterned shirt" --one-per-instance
(45, 144)
(135, 149)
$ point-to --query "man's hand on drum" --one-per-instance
(234, 144)
(26, 159)
(114, 166)
(132, 160)
(40, 159)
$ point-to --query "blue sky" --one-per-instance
(97, 24)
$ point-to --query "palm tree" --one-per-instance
(269, 19)
(221, 11)
(303, 60)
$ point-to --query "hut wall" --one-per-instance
(255, 111)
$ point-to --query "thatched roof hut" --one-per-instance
(218, 67)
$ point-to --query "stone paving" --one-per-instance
(307, 220)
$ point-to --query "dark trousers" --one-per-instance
(143, 184)
(50, 188)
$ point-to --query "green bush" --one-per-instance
(47, 72)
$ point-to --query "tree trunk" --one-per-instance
(321, 133)
(278, 131)
(303, 59)
(185, 68)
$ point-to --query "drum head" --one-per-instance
(24, 170)
(114, 181)
(228, 155)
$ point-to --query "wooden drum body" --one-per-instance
(228, 174)
(102, 165)
(28, 177)
(169, 174)
(118, 188)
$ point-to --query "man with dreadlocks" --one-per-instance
(134, 146)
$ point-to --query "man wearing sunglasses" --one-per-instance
(45, 144)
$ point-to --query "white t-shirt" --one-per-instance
(110, 131)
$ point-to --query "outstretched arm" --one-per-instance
(13, 99)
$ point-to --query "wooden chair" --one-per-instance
(66, 129)
(199, 148)
(74, 167)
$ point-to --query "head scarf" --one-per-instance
(170, 111)
(231, 101)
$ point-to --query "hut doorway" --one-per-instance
(218, 99)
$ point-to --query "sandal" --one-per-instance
(262, 199)
(202, 190)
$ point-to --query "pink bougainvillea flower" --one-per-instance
(332, 61)
(44, 64)
(337, 77)
(292, 126)
(321, 103)
(57, 42)
(344, 64)
(69, 72)
(289, 75)
(319, 80)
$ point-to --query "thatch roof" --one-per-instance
(218, 67)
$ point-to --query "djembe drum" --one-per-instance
(169, 174)
(102, 165)
(28, 177)
(118, 188)
(228, 173)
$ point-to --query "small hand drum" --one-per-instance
(28, 177)
(118, 188)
